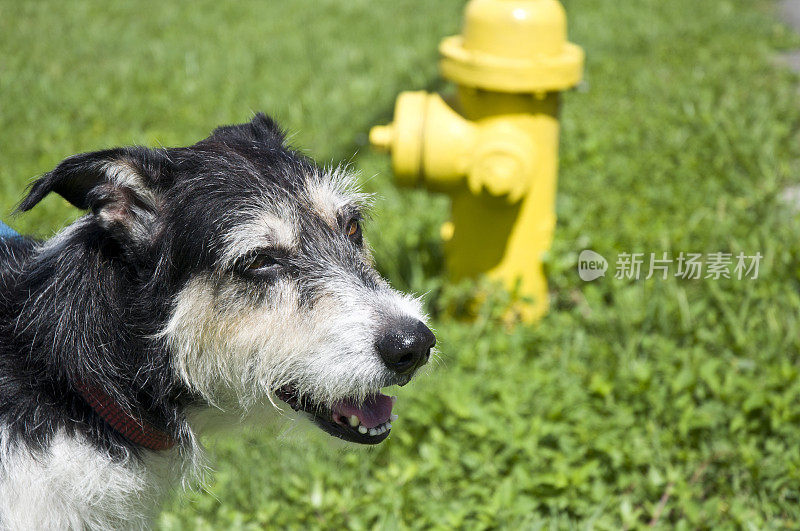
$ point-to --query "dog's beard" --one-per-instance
(320, 360)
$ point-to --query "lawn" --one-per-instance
(673, 401)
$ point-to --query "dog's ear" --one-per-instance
(261, 128)
(261, 125)
(119, 185)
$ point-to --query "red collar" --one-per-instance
(137, 430)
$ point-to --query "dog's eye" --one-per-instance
(353, 229)
(261, 262)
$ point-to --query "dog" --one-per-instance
(223, 283)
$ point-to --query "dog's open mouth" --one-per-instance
(367, 422)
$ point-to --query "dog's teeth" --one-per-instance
(354, 421)
(373, 432)
(393, 418)
(362, 430)
(388, 425)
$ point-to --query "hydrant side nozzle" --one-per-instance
(428, 141)
(503, 162)
(403, 137)
(449, 142)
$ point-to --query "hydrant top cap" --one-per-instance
(513, 46)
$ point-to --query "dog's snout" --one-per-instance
(405, 348)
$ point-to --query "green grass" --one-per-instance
(628, 393)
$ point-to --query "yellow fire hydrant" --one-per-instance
(499, 161)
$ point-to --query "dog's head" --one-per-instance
(270, 287)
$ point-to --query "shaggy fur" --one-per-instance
(203, 280)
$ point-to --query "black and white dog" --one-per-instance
(209, 284)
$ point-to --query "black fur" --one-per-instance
(86, 305)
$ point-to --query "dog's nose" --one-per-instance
(406, 348)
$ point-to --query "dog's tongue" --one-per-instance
(375, 410)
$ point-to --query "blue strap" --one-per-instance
(7, 232)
